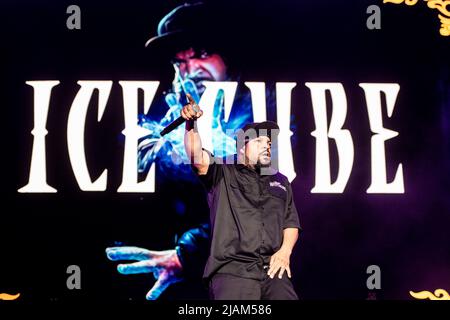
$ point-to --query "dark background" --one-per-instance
(300, 41)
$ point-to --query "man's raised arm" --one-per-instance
(192, 141)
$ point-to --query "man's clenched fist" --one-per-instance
(191, 111)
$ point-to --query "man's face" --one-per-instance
(257, 151)
(199, 65)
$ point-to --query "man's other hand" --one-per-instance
(280, 262)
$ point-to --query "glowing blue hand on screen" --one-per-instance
(171, 147)
(223, 144)
(164, 265)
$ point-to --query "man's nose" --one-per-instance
(192, 66)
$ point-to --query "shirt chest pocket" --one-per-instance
(242, 196)
(278, 193)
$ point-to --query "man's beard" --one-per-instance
(198, 77)
(199, 84)
(264, 164)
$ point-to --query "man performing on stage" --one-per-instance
(254, 221)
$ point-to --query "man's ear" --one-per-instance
(241, 155)
(242, 151)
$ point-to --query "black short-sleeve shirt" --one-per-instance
(248, 213)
